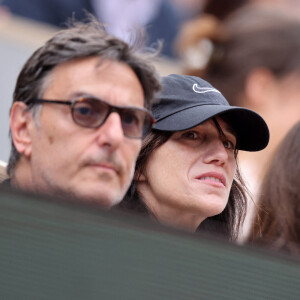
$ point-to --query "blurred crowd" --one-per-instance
(161, 19)
(247, 49)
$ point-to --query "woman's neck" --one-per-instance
(170, 215)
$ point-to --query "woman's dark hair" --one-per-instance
(277, 222)
(225, 224)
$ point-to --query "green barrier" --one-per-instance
(57, 250)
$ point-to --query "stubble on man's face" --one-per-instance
(96, 165)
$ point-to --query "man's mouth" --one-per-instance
(103, 166)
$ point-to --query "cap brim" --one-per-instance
(251, 129)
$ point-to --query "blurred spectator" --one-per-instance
(221, 9)
(277, 223)
(189, 8)
(203, 21)
(54, 12)
(253, 58)
(159, 17)
(291, 6)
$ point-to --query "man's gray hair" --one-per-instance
(80, 40)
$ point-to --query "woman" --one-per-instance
(253, 58)
(185, 171)
(277, 224)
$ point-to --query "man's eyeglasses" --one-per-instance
(92, 113)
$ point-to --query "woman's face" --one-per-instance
(189, 177)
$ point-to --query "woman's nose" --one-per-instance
(216, 152)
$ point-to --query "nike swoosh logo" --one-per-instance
(202, 90)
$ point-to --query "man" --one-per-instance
(3, 174)
(80, 109)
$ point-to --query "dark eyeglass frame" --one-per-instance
(147, 125)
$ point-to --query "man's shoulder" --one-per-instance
(3, 174)
(5, 182)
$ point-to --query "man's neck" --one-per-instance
(22, 177)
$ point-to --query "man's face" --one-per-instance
(94, 164)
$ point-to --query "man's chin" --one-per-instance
(101, 199)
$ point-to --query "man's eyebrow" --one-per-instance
(79, 94)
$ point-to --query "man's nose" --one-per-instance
(110, 133)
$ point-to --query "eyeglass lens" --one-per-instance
(89, 112)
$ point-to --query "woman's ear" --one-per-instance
(20, 122)
(259, 88)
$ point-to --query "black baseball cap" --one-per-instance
(187, 101)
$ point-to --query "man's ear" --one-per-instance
(20, 124)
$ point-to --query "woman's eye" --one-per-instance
(190, 135)
(229, 144)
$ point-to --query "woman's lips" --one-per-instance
(214, 178)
